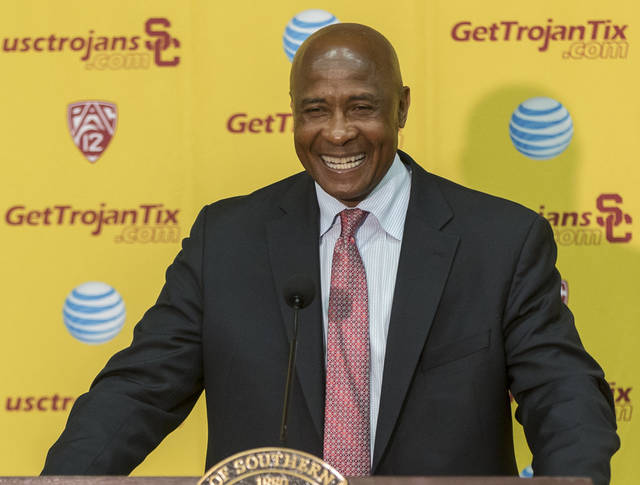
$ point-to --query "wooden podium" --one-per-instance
(378, 480)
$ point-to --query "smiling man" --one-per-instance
(348, 103)
(435, 302)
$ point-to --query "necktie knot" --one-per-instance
(351, 220)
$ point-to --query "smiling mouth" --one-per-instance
(343, 163)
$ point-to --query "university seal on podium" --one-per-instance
(272, 466)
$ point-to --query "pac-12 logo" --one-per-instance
(302, 26)
(94, 312)
(541, 128)
(92, 125)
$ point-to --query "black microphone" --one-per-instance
(298, 293)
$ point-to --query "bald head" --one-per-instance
(353, 44)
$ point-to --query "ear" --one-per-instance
(403, 106)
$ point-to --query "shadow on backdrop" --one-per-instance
(492, 164)
(602, 277)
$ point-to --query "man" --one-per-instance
(435, 301)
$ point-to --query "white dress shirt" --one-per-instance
(379, 239)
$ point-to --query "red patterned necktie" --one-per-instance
(346, 419)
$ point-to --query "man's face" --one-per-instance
(347, 113)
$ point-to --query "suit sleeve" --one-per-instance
(564, 403)
(146, 390)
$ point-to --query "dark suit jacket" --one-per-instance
(476, 312)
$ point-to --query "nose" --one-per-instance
(339, 129)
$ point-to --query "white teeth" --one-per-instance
(343, 163)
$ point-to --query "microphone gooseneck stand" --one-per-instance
(298, 293)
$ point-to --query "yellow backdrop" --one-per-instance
(121, 119)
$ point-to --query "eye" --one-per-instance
(313, 111)
(363, 107)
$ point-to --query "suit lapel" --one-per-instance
(293, 241)
(423, 268)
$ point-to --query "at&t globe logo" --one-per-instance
(541, 128)
(94, 312)
(302, 26)
(527, 472)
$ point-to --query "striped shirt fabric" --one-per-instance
(379, 239)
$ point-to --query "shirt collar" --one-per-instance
(388, 202)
